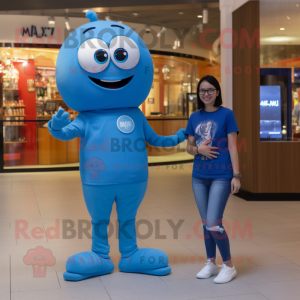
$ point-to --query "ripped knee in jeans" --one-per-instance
(217, 228)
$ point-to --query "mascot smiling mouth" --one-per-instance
(111, 84)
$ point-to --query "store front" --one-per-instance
(265, 100)
(29, 98)
(280, 53)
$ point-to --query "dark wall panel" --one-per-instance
(246, 92)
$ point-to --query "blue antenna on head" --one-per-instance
(91, 15)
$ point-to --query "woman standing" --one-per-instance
(212, 134)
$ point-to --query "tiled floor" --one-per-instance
(266, 254)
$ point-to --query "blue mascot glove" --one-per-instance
(60, 120)
(181, 135)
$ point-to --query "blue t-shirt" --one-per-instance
(215, 126)
(113, 145)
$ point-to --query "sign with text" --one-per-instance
(270, 112)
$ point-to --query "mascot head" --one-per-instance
(103, 65)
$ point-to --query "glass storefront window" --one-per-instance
(30, 97)
(174, 78)
(280, 50)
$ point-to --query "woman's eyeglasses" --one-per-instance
(209, 91)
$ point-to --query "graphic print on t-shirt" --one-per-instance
(205, 130)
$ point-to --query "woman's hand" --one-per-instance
(207, 150)
(235, 185)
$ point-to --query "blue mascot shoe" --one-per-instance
(87, 264)
(146, 261)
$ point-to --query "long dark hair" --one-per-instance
(213, 81)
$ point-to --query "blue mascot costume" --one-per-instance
(105, 71)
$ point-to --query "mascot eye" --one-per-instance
(124, 52)
(121, 55)
(93, 55)
(101, 56)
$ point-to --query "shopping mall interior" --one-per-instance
(253, 49)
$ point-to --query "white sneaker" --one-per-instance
(208, 270)
(226, 274)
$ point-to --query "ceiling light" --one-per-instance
(205, 16)
(180, 13)
(278, 39)
(282, 28)
(162, 30)
(32, 56)
(135, 14)
(86, 10)
(107, 18)
(67, 22)
(51, 22)
(200, 16)
(288, 17)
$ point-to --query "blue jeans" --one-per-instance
(211, 196)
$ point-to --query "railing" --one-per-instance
(28, 146)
